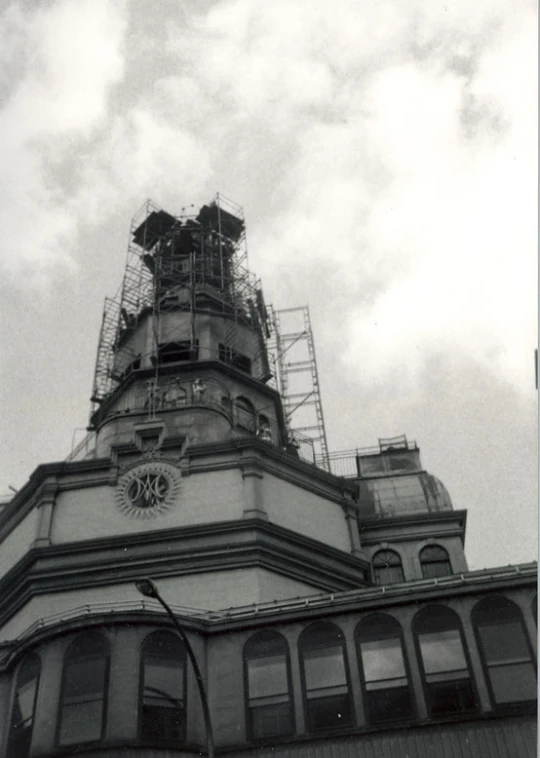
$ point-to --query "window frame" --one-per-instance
(446, 561)
(250, 737)
(517, 705)
(388, 565)
(425, 684)
(29, 658)
(390, 621)
(338, 640)
(140, 699)
(105, 699)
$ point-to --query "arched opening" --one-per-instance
(387, 568)
(505, 651)
(447, 679)
(383, 669)
(83, 700)
(325, 677)
(163, 688)
(24, 707)
(435, 562)
(268, 686)
(244, 414)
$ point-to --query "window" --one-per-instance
(236, 359)
(175, 352)
(267, 673)
(505, 651)
(24, 707)
(447, 680)
(325, 677)
(84, 688)
(435, 562)
(387, 568)
(163, 688)
(382, 666)
(244, 413)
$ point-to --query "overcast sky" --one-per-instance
(385, 156)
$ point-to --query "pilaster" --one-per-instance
(252, 475)
(45, 505)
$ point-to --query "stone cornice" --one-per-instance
(411, 527)
(220, 546)
(304, 609)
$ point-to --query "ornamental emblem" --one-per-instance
(148, 489)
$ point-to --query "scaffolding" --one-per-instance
(296, 378)
(194, 262)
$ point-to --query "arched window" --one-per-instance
(382, 665)
(163, 688)
(83, 700)
(244, 413)
(268, 688)
(387, 568)
(447, 679)
(325, 677)
(435, 562)
(505, 651)
(24, 707)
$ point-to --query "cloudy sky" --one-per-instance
(385, 156)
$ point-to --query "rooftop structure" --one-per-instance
(321, 602)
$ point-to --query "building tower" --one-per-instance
(326, 596)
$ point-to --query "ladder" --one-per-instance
(298, 379)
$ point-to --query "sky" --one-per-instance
(385, 156)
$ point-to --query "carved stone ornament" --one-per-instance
(148, 489)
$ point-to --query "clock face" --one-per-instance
(148, 489)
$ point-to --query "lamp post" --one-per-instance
(147, 588)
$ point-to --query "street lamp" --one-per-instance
(147, 588)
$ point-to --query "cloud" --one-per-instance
(64, 60)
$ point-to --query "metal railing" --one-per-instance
(260, 609)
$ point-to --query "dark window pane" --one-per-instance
(84, 678)
(24, 701)
(163, 680)
(83, 693)
(388, 575)
(515, 683)
(19, 742)
(450, 697)
(504, 641)
(324, 668)
(22, 715)
(433, 553)
(389, 704)
(267, 676)
(271, 720)
(163, 723)
(328, 712)
(442, 651)
(386, 558)
(382, 659)
(434, 570)
(81, 722)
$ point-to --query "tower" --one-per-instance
(326, 595)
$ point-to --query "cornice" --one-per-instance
(406, 529)
(303, 609)
(217, 547)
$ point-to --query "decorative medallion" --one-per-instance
(148, 489)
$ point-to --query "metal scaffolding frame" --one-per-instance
(297, 380)
(175, 263)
